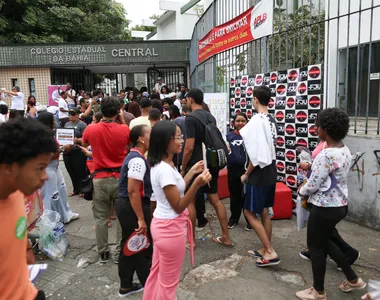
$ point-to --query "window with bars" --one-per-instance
(32, 87)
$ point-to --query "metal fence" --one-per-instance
(342, 35)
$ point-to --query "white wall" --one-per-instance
(185, 24)
(167, 30)
(337, 39)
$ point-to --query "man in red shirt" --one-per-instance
(26, 148)
(109, 141)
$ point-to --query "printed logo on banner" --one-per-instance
(244, 80)
(273, 91)
(302, 130)
(303, 74)
(243, 92)
(314, 87)
(249, 92)
(301, 102)
(280, 102)
(314, 101)
(314, 72)
(249, 103)
(280, 154)
(237, 111)
(290, 130)
(237, 81)
(301, 142)
(290, 155)
(232, 92)
(313, 143)
(291, 180)
(251, 80)
(290, 142)
(281, 90)
(282, 77)
(293, 75)
(301, 116)
(280, 166)
(291, 168)
(237, 103)
(237, 92)
(232, 103)
(292, 89)
(267, 79)
(271, 103)
(249, 114)
(232, 82)
(243, 103)
(302, 89)
(259, 79)
(290, 102)
(280, 178)
(280, 142)
(290, 116)
(313, 116)
(273, 78)
(313, 132)
(280, 116)
(281, 128)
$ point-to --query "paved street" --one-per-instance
(219, 273)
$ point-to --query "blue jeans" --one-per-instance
(54, 194)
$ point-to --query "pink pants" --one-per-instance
(169, 249)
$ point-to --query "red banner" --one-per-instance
(254, 23)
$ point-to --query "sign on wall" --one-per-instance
(253, 24)
(296, 99)
(218, 104)
(53, 94)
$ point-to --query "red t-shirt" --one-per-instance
(109, 143)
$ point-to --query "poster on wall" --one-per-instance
(296, 99)
(254, 23)
(53, 94)
(217, 102)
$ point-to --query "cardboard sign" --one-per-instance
(65, 136)
(136, 243)
(33, 207)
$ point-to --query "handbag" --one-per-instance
(87, 186)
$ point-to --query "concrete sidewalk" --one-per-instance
(219, 273)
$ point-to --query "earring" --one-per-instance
(143, 142)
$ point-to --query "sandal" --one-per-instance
(218, 240)
(262, 262)
(72, 194)
(254, 253)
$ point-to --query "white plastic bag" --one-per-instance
(374, 289)
(53, 239)
(302, 214)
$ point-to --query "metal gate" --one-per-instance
(171, 76)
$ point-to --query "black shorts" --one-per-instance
(212, 187)
(259, 197)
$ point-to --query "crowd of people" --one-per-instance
(145, 154)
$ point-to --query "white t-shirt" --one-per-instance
(63, 104)
(162, 175)
(139, 121)
(136, 169)
(71, 93)
(18, 101)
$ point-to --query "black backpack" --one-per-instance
(216, 147)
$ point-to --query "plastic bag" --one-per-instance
(53, 238)
(302, 214)
(374, 289)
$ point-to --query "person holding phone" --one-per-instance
(171, 223)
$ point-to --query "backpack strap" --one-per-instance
(195, 115)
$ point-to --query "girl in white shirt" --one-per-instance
(171, 222)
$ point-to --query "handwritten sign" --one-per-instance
(65, 136)
(218, 102)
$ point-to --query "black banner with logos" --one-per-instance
(295, 103)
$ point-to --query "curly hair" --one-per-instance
(24, 139)
(335, 122)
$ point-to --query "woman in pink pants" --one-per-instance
(171, 224)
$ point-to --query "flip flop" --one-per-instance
(188, 246)
(267, 263)
(219, 241)
(254, 253)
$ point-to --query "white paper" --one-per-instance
(36, 270)
(65, 136)
(204, 153)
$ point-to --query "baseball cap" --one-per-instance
(159, 78)
(172, 94)
(145, 94)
